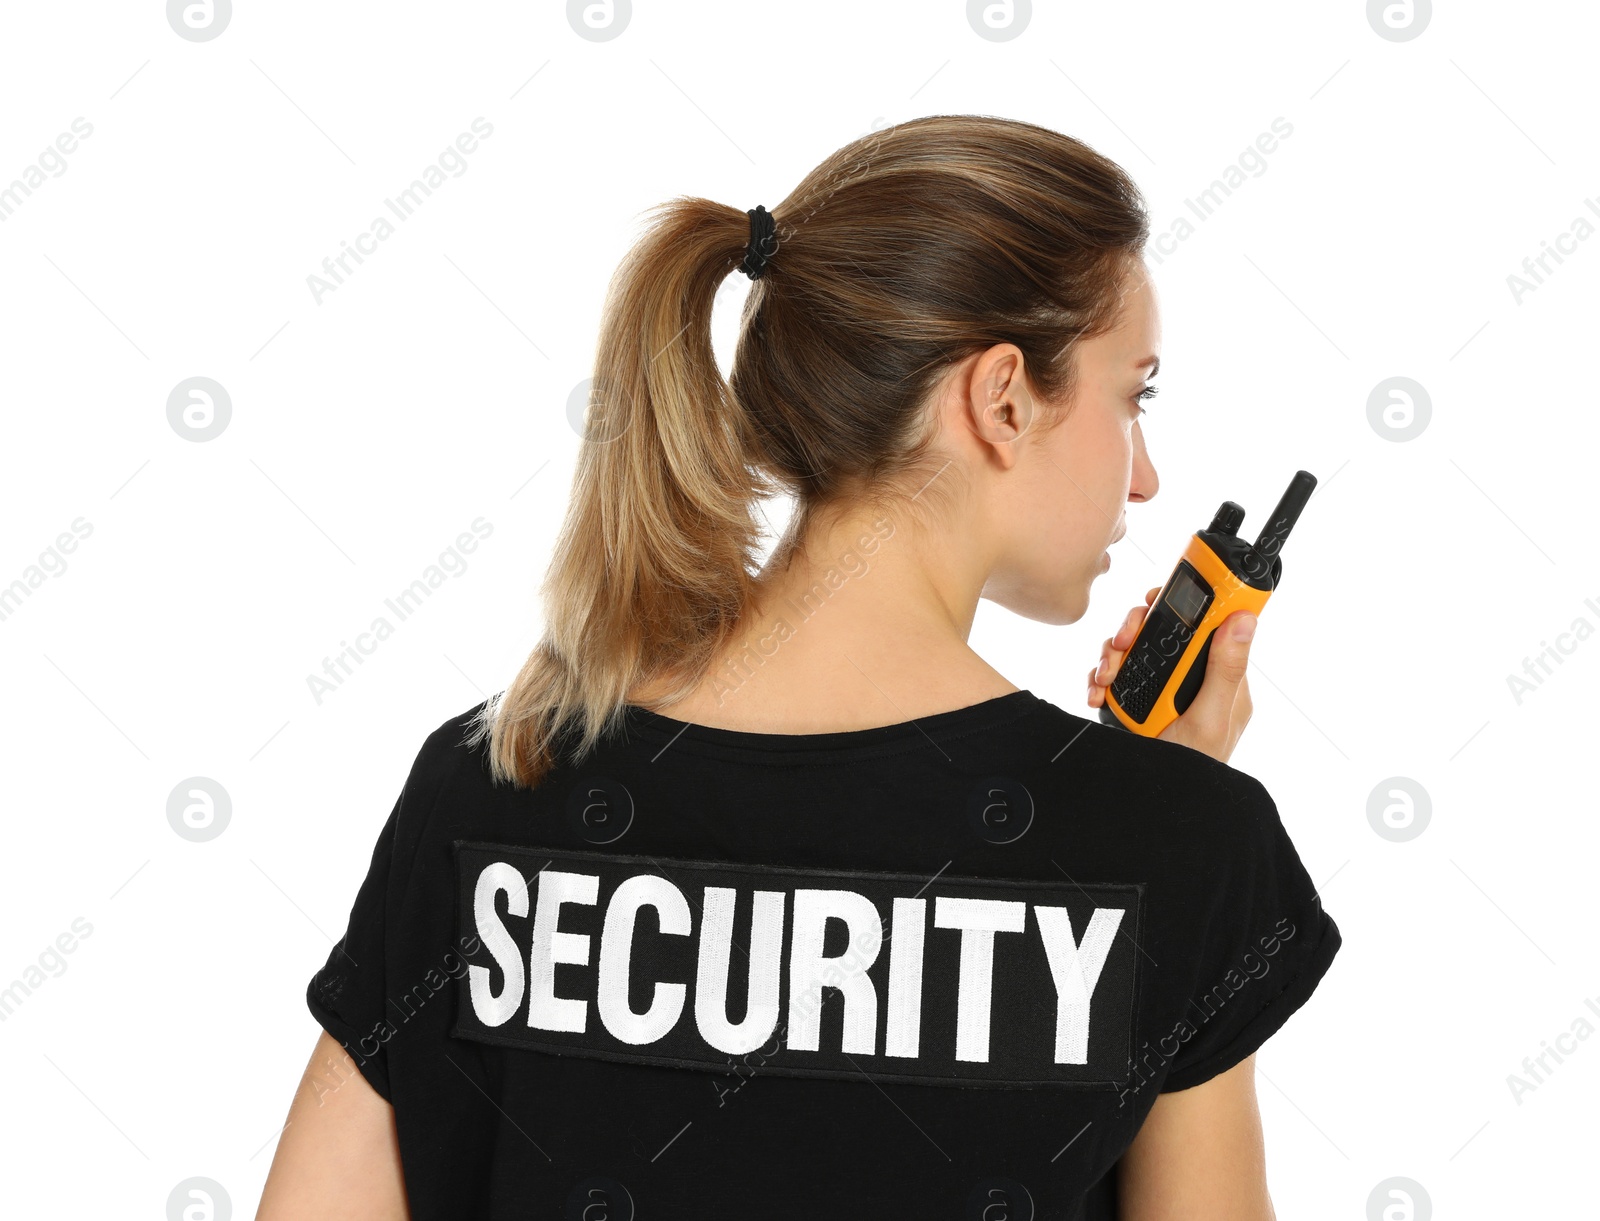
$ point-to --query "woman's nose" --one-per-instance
(1145, 482)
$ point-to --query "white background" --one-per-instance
(431, 389)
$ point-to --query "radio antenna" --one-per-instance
(1286, 514)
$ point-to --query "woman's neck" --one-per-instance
(862, 626)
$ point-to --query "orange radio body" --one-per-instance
(1218, 574)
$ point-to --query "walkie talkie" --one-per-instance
(1218, 574)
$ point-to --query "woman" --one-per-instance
(762, 893)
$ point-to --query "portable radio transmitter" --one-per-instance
(1218, 574)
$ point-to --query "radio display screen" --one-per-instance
(1187, 597)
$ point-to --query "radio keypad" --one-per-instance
(1161, 642)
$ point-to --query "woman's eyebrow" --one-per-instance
(1153, 361)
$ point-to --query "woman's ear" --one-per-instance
(998, 405)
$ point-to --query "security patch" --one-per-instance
(976, 982)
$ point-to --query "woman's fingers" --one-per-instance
(1114, 648)
(1221, 708)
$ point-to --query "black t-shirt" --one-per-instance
(934, 969)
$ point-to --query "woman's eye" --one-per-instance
(1149, 392)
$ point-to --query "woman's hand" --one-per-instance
(1221, 708)
(1115, 649)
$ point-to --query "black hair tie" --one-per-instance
(763, 242)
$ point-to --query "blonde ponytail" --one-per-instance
(653, 566)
